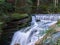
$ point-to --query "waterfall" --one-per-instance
(29, 35)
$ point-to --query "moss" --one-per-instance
(18, 20)
(58, 23)
(22, 16)
(58, 42)
(18, 16)
(50, 31)
(2, 0)
(1, 24)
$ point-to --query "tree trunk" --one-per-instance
(38, 3)
(55, 3)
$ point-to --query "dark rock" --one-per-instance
(11, 27)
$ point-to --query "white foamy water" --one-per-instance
(29, 35)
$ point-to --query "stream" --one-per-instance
(29, 35)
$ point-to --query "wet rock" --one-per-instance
(11, 27)
(17, 44)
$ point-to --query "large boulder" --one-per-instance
(51, 37)
(16, 22)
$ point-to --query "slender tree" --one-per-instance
(55, 3)
(38, 3)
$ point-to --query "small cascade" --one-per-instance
(29, 35)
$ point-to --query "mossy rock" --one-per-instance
(17, 21)
(58, 23)
(19, 16)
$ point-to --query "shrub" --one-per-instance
(1, 24)
(6, 7)
(58, 42)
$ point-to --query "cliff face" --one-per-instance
(11, 27)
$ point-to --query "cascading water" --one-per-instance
(29, 35)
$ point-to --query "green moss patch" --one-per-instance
(19, 16)
(58, 23)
